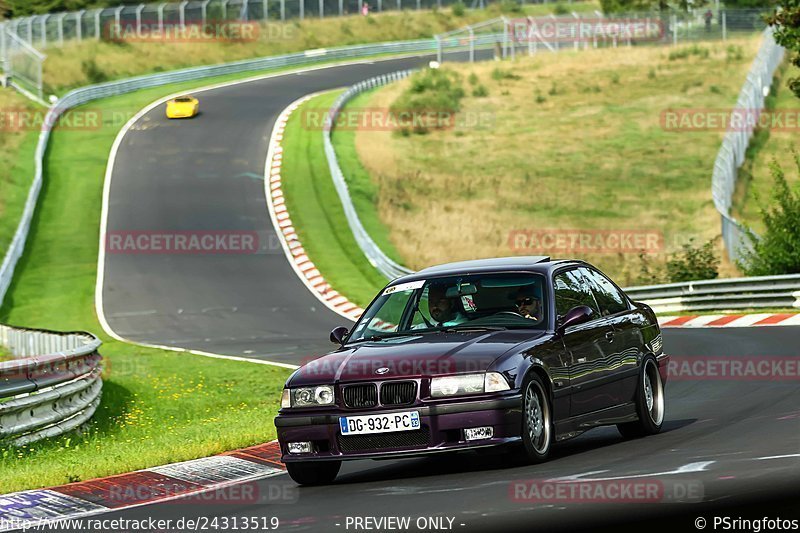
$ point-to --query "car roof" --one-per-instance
(529, 263)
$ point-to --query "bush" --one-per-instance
(694, 50)
(92, 71)
(510, 6)
(436, 92)
(480, 91)
(561, 9)
(473, 79)
(499, 74)
(777, 251)
(693, 263)
(459, 9)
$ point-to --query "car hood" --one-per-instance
(413, 356)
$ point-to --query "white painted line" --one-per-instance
(701, 466)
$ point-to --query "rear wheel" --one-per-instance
(649, 403)
(537, 421)
(314, 473)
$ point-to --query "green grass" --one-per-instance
(16, 165)
(562, 143)
(363, 190)
(158, 406)
(317, 213)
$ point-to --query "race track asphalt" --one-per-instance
(725, 442)
(728, 448)
(206, 175)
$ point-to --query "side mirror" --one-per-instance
(338, 334)
(577, 315)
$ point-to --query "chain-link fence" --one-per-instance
(733, 151)
(54, 29)
(512, 35)
(22, 63)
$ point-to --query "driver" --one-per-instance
(442, 309)
(528, 303)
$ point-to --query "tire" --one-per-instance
(650, 403)
(314, 473)
(537, 420)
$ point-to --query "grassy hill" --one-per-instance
(563, 145)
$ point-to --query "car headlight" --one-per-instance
(307, 396)
(468, 384)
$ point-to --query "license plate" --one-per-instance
(359, 425)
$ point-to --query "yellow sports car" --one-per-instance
(182, 107)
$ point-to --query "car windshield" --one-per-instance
(477, 301)
(183, 99)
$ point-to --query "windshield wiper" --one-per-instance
(381, 337)
(467, 327)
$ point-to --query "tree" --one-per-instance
(786, 21)
(777, 251)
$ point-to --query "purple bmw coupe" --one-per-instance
(472, 355)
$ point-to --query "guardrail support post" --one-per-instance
(724, 25)
(283, 9)
(204, 12)
(321, 9)
(43, 30)
(161, 8)
(438, 49)
(61, 18)
(79, 25)
(674, 30)
(97, 23)
(471, 44)
(341, 8)
(302, 9)
(139, 10)
(3, 58)
(182, 13)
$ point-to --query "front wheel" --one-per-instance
(649, 403)
(537, 420)
(314, 473)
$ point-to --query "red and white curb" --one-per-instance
(730, 321)
(293, 248)
(213, 480)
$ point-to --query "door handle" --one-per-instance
(609, 336)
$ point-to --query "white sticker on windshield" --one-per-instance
(411, 285)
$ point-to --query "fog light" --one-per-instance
(300, 447)
(479, 433)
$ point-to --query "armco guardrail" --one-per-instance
(375, 255)
(52, 386)
(721, 294)
(104, 90)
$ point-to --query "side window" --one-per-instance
(572, 290)
(610, 300)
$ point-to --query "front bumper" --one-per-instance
(441, 430)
